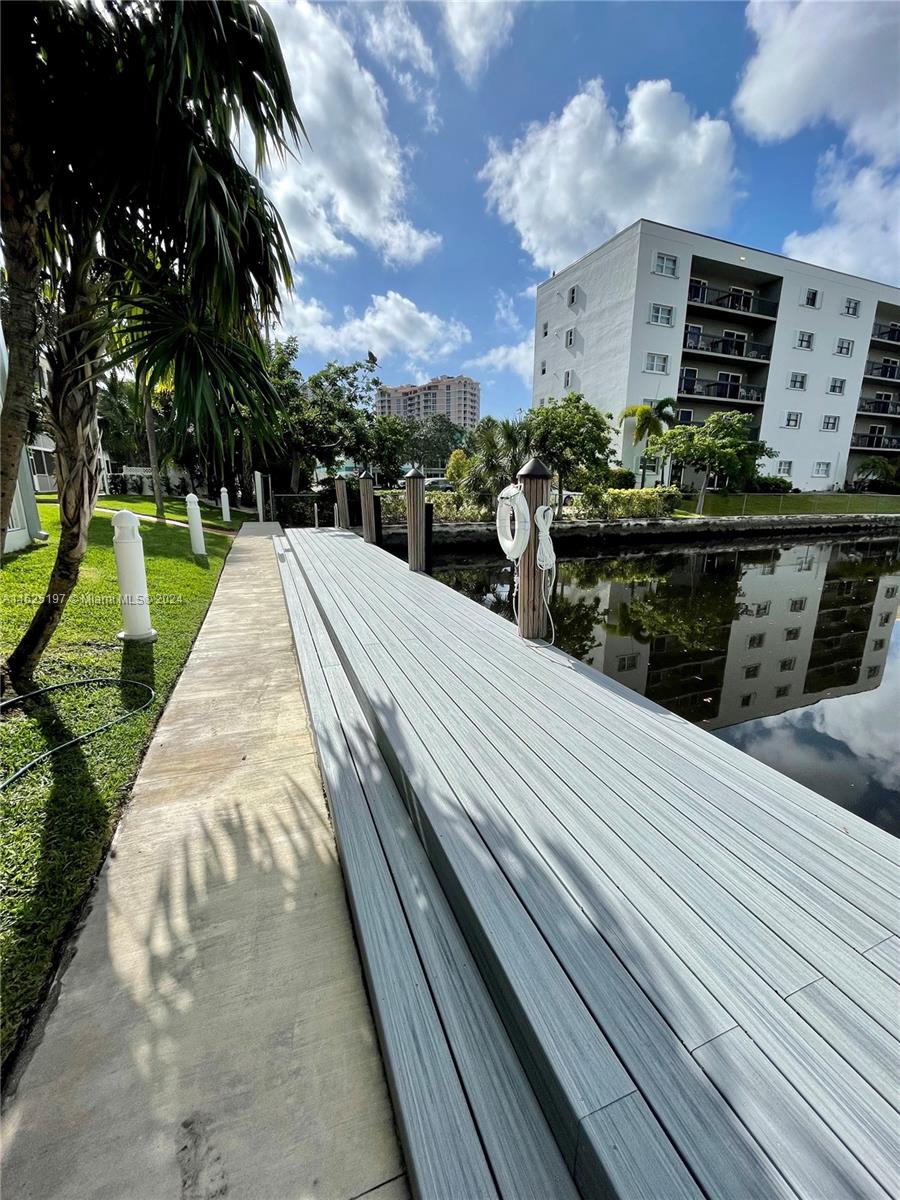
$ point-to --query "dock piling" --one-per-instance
(343, 509)
(367, 504)
(534, 480)
(415, 519)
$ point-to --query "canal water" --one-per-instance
(789, 652)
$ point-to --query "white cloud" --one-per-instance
(819, 61)
(475, 31)
(570, 183)
(529, 293)
(861, 234)
(505, 315)
(518, 358)
(392, 324)
(394, 38)
(350, 184)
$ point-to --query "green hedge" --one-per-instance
(618, 504)
(448, 507)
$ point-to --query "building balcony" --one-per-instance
(885, 408)
(886, 333)
(874, 441)
(703, 295)
(882, 370)
(720, 389)
(726, 346)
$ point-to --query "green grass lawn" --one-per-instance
(56, 820)
(806, 503)
(175, 509)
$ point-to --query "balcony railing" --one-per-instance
(874, 441)
(720, 343)
(885, 407)
(720, 389)
(888, 333)
(702, 293)
(883, 370)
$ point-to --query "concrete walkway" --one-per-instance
(212, 1036)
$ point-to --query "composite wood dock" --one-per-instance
(607, 954)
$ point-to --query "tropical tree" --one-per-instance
(180, 262)
(721, 445)
(388, 447)
(433, 439)
(331, 417)
(874, 467)
(567, 434)
(498, 449)
(458, 466)
(650, 420)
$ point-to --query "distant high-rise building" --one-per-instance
(456, 396)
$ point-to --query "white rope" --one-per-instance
(546, 559)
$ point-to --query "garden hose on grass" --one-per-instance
(81, 737)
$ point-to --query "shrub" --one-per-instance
(448, 507)
(118, 485)
(769, 483)
(136, 485)
(619, 504)
(621, 477)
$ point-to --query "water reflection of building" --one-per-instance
(727, 637)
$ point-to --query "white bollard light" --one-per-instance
(132, 576)
(258, 488)
(198, 546)
(226, 507)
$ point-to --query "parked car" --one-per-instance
(439, 485)
(568, 497)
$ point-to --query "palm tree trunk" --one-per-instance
(21, 327)
(702, 496)
(72, 411)
(150, 427)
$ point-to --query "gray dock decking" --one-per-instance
(694, 959)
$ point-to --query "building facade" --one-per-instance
(660, 312)
(455, 396)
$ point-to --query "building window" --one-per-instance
(792, 419)
(567, 378)
(755, 641)
(783, 690)
(844, 346)
(878, 644)
(787, 664)
(752, 672)
(666, 264)
(684, 416)
(570, 338)
(627, 662)
(822, 470)
(873, 672)
(804, 340)
(884, 619)
(797, 381)
(836, 386)
(830, 423)
(851, 307)
(662, 314)
(543, 366)
(785, 466)
(657, 364)
(545, 329)
(762, 610)
(811, 298)
(573, 294)
(792, 634)
(767, 569)
(799, 604)
(890, 592)
(747, 699)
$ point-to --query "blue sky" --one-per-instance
(460, 151)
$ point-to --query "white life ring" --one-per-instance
(512, 503)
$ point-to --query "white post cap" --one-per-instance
(126, 526)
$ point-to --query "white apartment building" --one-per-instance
(456, 396)
(814, 354)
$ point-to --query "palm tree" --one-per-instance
(874, 467)
(650, 420)
(498, 450)
(157, 229)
